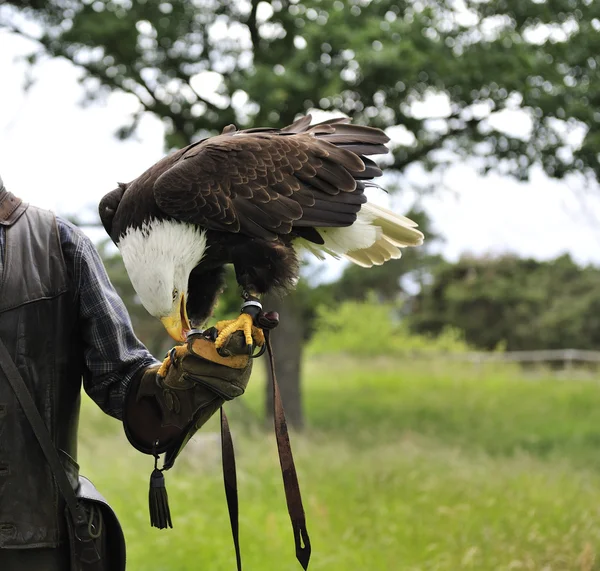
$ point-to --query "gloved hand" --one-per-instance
(164, 410)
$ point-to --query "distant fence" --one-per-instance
(568, 357)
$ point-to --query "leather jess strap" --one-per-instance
(288, 471)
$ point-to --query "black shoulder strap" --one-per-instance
(41, 432)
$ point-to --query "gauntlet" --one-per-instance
(167, 404)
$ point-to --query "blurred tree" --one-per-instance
(202, 64)
(522, 304)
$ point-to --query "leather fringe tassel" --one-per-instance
(160, 514)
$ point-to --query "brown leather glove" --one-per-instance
(168, 404)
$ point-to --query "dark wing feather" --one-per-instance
(266, 182)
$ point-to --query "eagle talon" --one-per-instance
(174, 354)
(260, 352)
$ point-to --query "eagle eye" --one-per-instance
(175, 294)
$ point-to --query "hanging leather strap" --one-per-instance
(230, 481)
(288, 471)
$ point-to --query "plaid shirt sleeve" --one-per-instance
(113, 354)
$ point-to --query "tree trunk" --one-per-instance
(287, 341)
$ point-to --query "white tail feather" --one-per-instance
(398, 229)
(375, 237)
(359, 258)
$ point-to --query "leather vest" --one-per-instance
(39, 326)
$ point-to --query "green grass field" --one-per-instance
(429, 466)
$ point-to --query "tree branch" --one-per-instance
(251, 23)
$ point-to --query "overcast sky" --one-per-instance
(61, 156)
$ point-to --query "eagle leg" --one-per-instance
(251, 308)
(245, 323)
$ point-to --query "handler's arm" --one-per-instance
(112, 354)
(120, 374)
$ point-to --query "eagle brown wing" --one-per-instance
(264, 182)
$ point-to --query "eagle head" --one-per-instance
(159, 257)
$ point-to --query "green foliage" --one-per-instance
(522, 303)
(369, 329)
(493, 408)
(405, 465)
(374, 60)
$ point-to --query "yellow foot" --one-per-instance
(242, 323)
(180, 351)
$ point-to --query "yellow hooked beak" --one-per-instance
(177, 324)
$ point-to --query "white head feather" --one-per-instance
(158, 258)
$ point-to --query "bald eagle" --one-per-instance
(252, 198)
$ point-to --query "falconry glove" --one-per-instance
(198, 380)
(167, 405)
(183, 393)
